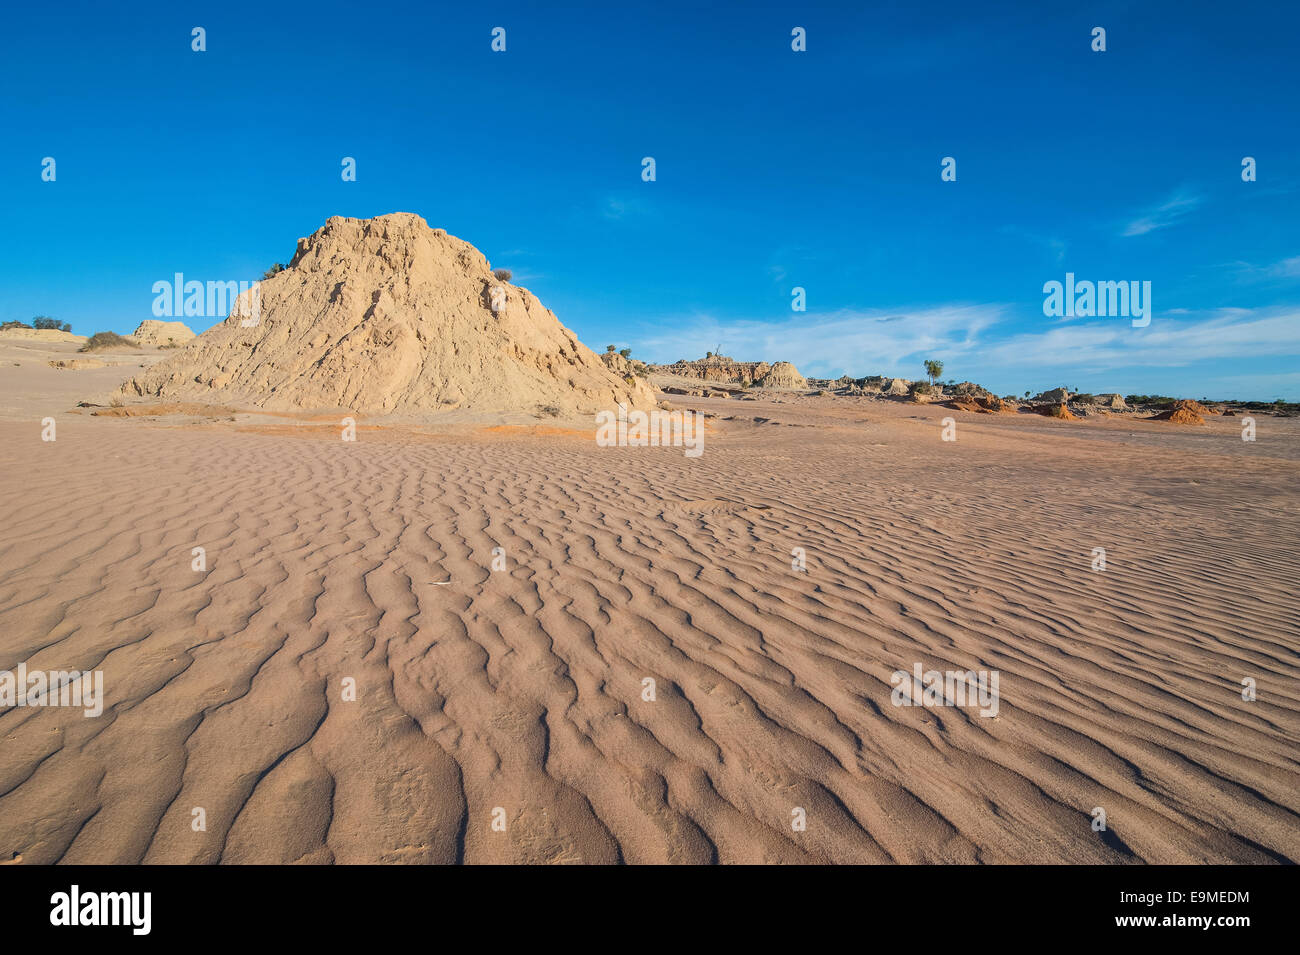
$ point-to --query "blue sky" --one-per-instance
(775, 169)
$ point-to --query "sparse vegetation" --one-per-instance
(502, 275)
(626, 352)
(922, 388)
(44, 322)
(1155, 401)
(551, 410)
(102, 340)
(273, 270)
(8, 325)
(608, 349)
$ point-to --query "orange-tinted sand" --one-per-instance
(522, 689)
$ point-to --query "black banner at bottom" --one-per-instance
(143, 905)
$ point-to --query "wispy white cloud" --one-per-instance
(1285, 269)
(1281, 270)
(1171, 211)
(835, 343)
(1114, 343)
(975, 342)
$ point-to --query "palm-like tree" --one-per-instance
(933, 368)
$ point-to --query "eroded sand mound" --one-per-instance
(784, 375)
(386, 315)
(621, 366)
(154, 332)
(1183, 412)
(1056, 411)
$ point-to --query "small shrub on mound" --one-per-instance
(8, 325)
(102, 340)
(994, 405)
(982, 404)
(502, 275)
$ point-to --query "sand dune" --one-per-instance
(388, 316)
(522, 688)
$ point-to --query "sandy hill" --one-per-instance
(783, 374)
(727, 371)
(154, 332)
(386, 315)
(41, 335)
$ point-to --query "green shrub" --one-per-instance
(101, 340)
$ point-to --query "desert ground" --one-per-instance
(521, 690)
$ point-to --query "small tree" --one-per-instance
(1028, 393)
(51, 324)
(708, 354)
(933, 368)
(626, 353)
(273, 270)
(609, 348)
(502, 275)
